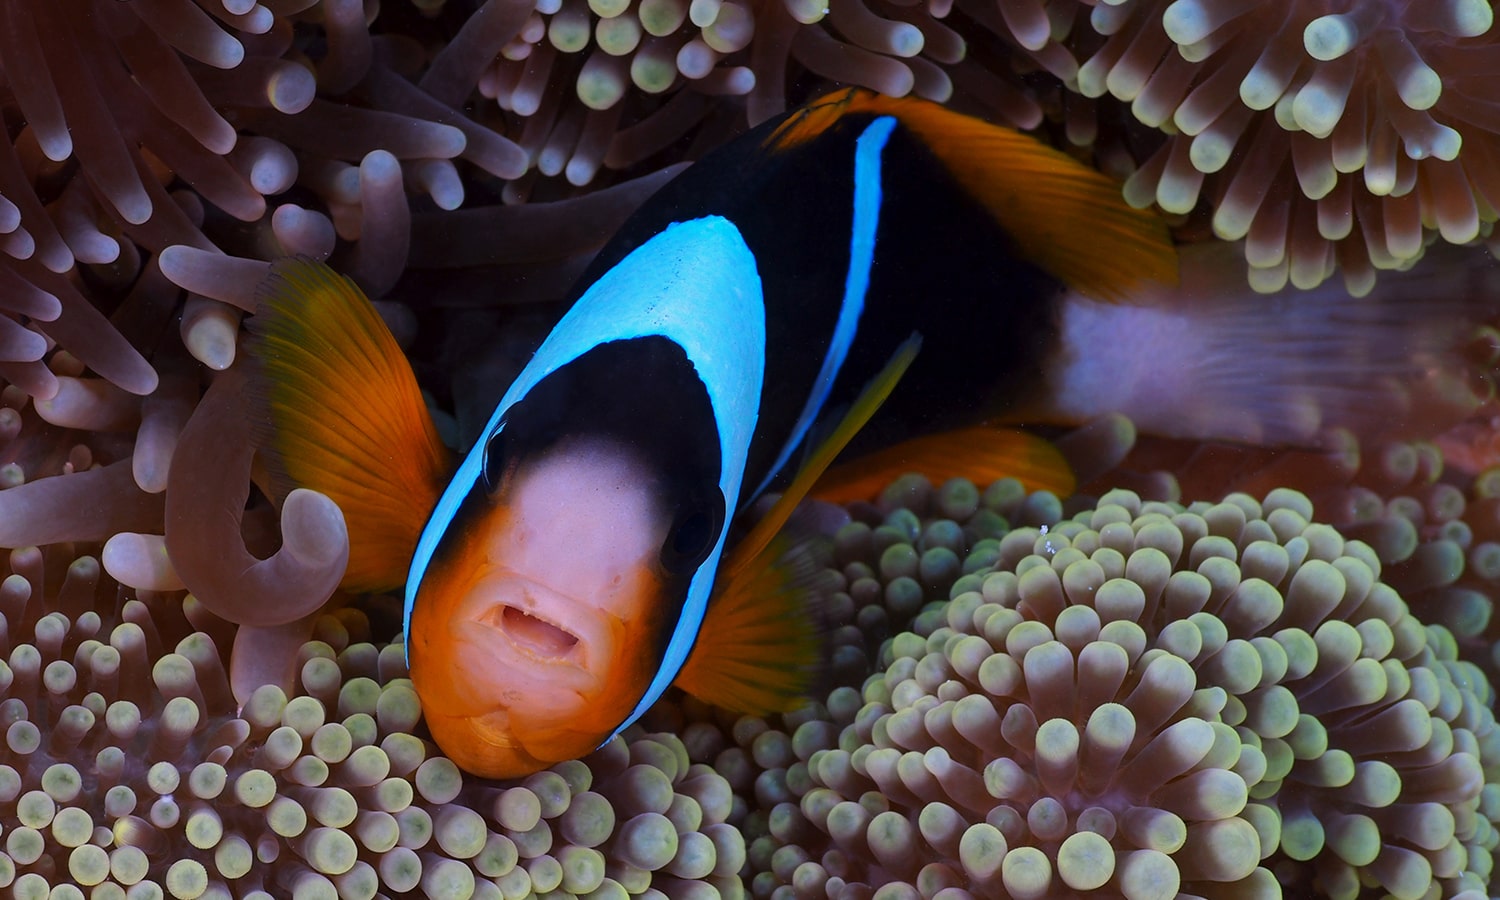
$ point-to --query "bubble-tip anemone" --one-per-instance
(126, 769)
(1144, 700)
(1327, 134)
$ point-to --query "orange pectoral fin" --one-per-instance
(980, 454)
(761, 642)
(338, 410)
(761, 645)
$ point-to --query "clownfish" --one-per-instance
(856, 272)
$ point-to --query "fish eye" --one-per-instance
(493, 465)
(693, 533)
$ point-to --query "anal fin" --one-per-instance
(981, 454)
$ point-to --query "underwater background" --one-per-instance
(1205, 670)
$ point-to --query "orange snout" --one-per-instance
(535, 636)
(515, 676)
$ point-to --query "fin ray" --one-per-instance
(863, 408)
(760, 645)
(338, 410)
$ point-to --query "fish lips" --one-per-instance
(521, 675)
(522, 637)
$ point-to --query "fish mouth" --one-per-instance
(530, 634)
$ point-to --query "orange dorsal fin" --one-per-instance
(761, 644)
(1065, 217)
(338, 410)
(981, 454)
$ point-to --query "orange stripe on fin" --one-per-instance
(339, 411)
(981, 454)
(1065, 217)
(760, 643)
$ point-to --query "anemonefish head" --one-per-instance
(559, 585)
(541, 632)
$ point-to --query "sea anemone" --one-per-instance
(125, 768)
(1434, 527)
(615, 83)
(112, 111)
(907, 547)
(1327, 135)
(62, 484)
(1438, 538)
(1148, 699)
(161, 148)
(147, 125)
